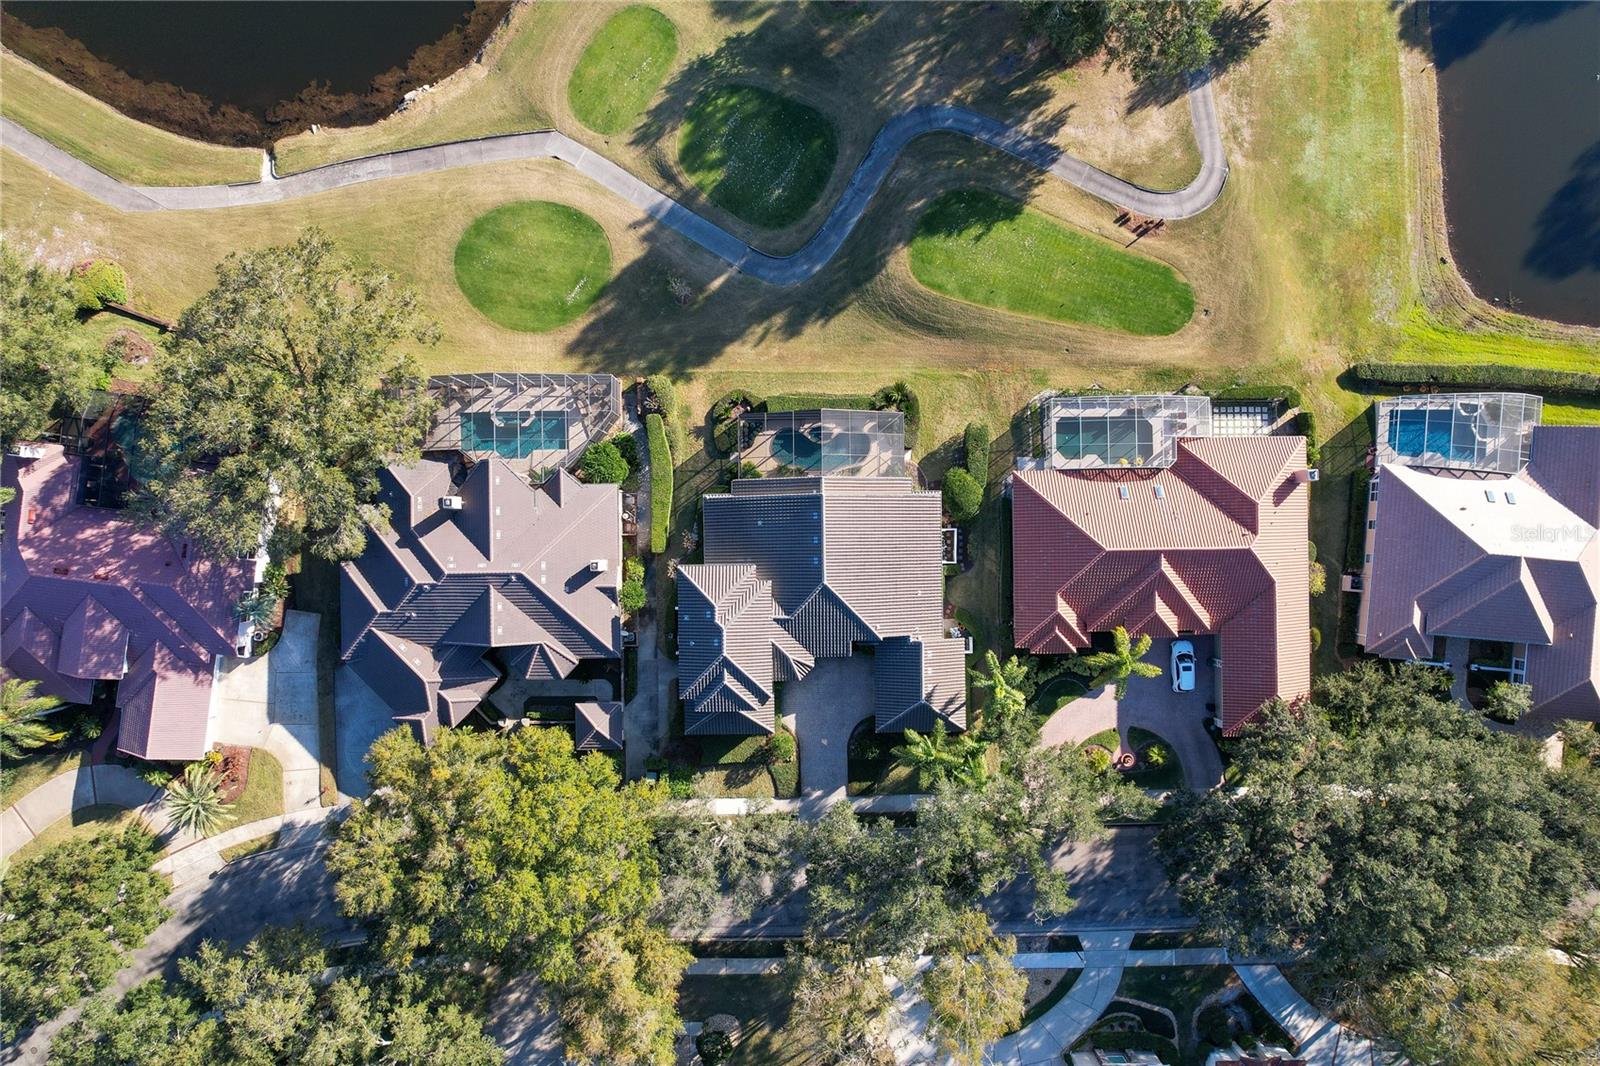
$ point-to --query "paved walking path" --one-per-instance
(86, 786)
(551, 144)
(1320, 1041)
(201, 859)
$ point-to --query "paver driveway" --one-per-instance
(825, 706)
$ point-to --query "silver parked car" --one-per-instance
(1182, 666)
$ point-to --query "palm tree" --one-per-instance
(20, 714)
(194, 801)
(1119, 664)
(939, 757)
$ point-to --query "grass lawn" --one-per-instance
(265, 842)
(84, 822)
(25, 775)
(762, 1006)
(1571, 413)
(988, 249)
(1057, 693)
(1106, 738)
(1167, 776)
(533, 266)
(110, 141)
(622, 68)
(263, 792)
(762, 156)
(1424, 340)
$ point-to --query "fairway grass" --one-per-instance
(622, 68)
(988, 249)
(761, 156)
(110, 141)
(534, 265)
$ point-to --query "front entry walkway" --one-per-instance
(822, 709)
(1177, 717)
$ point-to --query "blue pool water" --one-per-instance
(513, 434)
(792, 447)
(1414, 433)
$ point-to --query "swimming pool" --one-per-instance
(1115, 439)
(797, 448)
(513, 434)
(1435, 431)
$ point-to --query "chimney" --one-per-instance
(450, 503)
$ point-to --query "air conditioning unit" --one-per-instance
(450, 503)
(599, 566)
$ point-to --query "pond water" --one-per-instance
(1519, 111)
(249, 55)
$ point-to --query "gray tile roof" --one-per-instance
(510, 575)
(799, 569)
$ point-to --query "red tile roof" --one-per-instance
(1215, 543)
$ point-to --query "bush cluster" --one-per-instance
(630, 597)
(977, 443)
(725, 418)
(603, 464)
(660, 481)
(963, 495)
(900, 397)
(97, 282)
(1479, 376)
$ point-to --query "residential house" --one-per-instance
(807, 568)
(91, 595)
(1139, 519)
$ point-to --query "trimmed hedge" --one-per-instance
(963, 494)
(808, 401)
(977, 442)
(1247, 393)
(631, 596)
(660, 481)
(97, 282)
(1479, 376)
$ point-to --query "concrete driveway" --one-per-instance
(363, 717)
(822, 709)
(1178, 717)
(270, 702)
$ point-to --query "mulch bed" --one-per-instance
(234, 772)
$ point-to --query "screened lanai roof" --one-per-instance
(544, 419)
(1097, 431)
(835, 443)
(1485, 431)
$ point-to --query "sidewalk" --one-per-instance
(87, 786)
(200, 859)
(1321, 1041)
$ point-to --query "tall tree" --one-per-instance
(73, 914)
(709, 863)
(282, 385)
(975, 994)
(1405, 837)
(1124, 659)
(151, 1026)
(22, 724)
(1007, 720)
(621, 1008)
(504, 848)
(1147, 38)
(45, 360)
(842, 1006)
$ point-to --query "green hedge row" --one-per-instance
(1479, 376)
(809, 401)
(1246, 393)
(660, 481)
(899, 397)
(977, 442)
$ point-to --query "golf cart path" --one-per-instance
(552, 144)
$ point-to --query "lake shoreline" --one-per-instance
(191, 114)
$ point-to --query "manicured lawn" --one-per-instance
(84, 822)
(263, 792)
(762, 156)
(988, 249)
(622, 68)
(25, 775)
(110, 141)
(534, 265)
(1057, 693)
(1424, 340)
(761, 1004)
(1572, 413)
(250, 847)
(1106, 738)
(1167, 776)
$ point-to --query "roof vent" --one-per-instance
(1489, 494)
(450, 503)
(1511, 498)
(1122, 491)
(1161, 492)
(598, 566)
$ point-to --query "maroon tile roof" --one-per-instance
(90, 594)
(1513, 559)
(1215, 543)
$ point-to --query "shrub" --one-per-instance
(661, 395)
(977, 442)
(1480, 376)
(781, 747)
(900, 397)
(1212, 1022)
(725, 418)
(1098, 758)
(129, 347)
(1311, 550)
(1508, 701)
(963, 495)
(631, 597)
(1156, 756)
(97, 282)
(1306, 424)
(603, 464)
(628, 447)
(715, 1046)
(156, 776)
(785, 778)
(737, 470)
(1319, 579)
(660, 482)
(1316, 638)
(194, 801)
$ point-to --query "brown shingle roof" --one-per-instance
(1215, 543)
